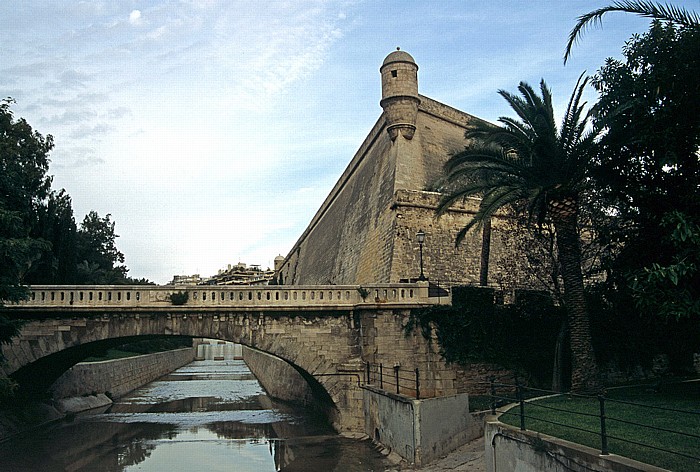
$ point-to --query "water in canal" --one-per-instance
(209, 416)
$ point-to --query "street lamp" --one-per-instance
(420, 237)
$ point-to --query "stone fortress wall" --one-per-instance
(365, 230)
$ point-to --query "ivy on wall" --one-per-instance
(519, 336)
(522, 336)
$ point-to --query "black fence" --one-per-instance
(394, 379)
(519, 394)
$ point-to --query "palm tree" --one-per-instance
(663, 12)
(530, 163)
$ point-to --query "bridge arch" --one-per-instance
(315, 344)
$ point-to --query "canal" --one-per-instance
(208, 415)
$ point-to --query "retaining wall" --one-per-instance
(420, 431)
(279, 379)
(119, 376)
(508, 448)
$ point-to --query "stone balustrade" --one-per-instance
(278, 297)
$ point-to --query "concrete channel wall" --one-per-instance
(279, 379)
(119, 376)
(420, 431)
(508, 448)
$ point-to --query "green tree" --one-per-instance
(529, 163)
(99, 259)
(672, 289)
(648, 171)
(56, 224)
(24, 185)
(657, 11)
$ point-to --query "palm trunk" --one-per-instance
(584, 369)
(485, 252)
(558, 364)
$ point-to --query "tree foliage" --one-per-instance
(24, 186)
(657, 11)
(100, 262)
(648, 170)
(530, 163)
(55, 223)
(39, 240)
(672, 289)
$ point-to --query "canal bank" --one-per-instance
(208, 414)
(117, 377)
(88, 386)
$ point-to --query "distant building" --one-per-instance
(241, 274)
(186, 280)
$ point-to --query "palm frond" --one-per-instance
(572, 126)
(521, 106)
(491, 202)
(547, 107)
(483, 154)
(450, 199)
(525, 162)
(657, 11)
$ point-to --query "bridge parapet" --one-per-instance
(210, 298)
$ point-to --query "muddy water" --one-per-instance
(207, 416)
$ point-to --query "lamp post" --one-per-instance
(420, 237)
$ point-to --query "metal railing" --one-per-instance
(521, 395)
(394, 379)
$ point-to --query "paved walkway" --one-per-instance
(468, 458)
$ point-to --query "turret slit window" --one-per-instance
(394, 73)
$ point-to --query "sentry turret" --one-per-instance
(400, 98)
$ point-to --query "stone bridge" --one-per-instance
(327, 333)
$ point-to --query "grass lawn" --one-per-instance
(584, 413)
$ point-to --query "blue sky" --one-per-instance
(211, 131)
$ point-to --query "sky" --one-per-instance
(213, 130)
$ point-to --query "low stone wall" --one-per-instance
(508, 448)
(420, 431)
(119, 376)
(279, 379)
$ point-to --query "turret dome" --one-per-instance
(398, 56)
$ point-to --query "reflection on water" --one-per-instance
(209, 415)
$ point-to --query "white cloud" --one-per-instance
(135, 17)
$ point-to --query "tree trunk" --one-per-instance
(584, 368)
(558, 364)
(485, 253)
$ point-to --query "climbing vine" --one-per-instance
(519, 336)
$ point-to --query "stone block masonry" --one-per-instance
(119, 376)
(329, 347)
(279, 379)
(364, 232)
